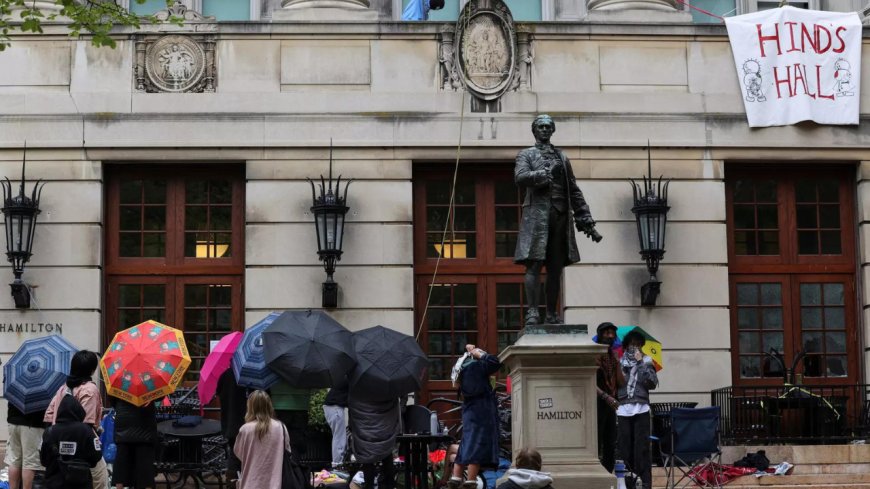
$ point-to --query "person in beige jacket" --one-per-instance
(261, 444)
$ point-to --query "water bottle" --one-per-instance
(619, 469)
(433, 424)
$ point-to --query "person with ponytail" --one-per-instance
(261, 444)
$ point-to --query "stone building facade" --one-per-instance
(133, 150)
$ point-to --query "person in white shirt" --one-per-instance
(633, 411)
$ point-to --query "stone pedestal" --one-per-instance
(325, 11)
(554, 402)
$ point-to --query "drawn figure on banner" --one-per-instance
(843, 76)
(752, 81)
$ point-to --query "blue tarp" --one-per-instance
(416, 10)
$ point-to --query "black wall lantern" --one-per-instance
(329, 210)
(19, 213)
(651, 212)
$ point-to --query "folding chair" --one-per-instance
(694, 450)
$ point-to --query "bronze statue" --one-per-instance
(552, 199)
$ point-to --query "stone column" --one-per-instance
(325, 10)
(554, 403)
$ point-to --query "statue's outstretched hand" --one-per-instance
(586, 225)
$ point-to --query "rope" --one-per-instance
(705, 12)
(450, 217)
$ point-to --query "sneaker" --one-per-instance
(454, 483)
(470, 485)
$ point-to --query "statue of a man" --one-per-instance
(552, 201)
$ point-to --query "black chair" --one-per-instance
(694, 448)
(416, 419)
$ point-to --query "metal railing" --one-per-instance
(795, 414)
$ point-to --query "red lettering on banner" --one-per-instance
(818, 30)
(786, 80)
(840, 38)
(762, 38)
(791, 26)
(806, 35)
(819, 84)
(800, 74)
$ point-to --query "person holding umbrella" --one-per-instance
(374, 426)
(479, 445)
(81, 386)
(136, 438)
(633, 412)
(22, 447)
(31, 378)
(389, 365)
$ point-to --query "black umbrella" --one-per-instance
(389, 364)
(308, 349)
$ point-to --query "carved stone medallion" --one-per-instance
(487, 53)
(175, 64)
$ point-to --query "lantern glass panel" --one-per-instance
(339, 231)
(331, 224)
(320, 221)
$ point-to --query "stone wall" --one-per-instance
(283, 90)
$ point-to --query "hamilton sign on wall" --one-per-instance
(795, 65)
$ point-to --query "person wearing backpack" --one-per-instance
(70, 448)
(81, 384)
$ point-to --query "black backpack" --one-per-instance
(75, 472)
(757, 461)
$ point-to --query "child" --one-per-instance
(479, 445)
(528, 473)
(633, 411)
(70, 448)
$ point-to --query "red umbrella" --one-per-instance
(145, 362)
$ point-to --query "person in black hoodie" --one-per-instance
(70, 448)
(136, 438)
(234, 399)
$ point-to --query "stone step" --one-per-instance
(788, 480)
(802, 454)
(790, 486)
(810, 469)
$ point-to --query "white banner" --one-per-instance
(795, 65)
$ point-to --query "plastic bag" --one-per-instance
(107, 438)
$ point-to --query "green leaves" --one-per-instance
(96, 18)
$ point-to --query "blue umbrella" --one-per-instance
(36, 372)
(249, 360)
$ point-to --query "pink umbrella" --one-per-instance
(216, 363)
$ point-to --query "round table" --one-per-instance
(189, 465)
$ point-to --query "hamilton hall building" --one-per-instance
(175, 172)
